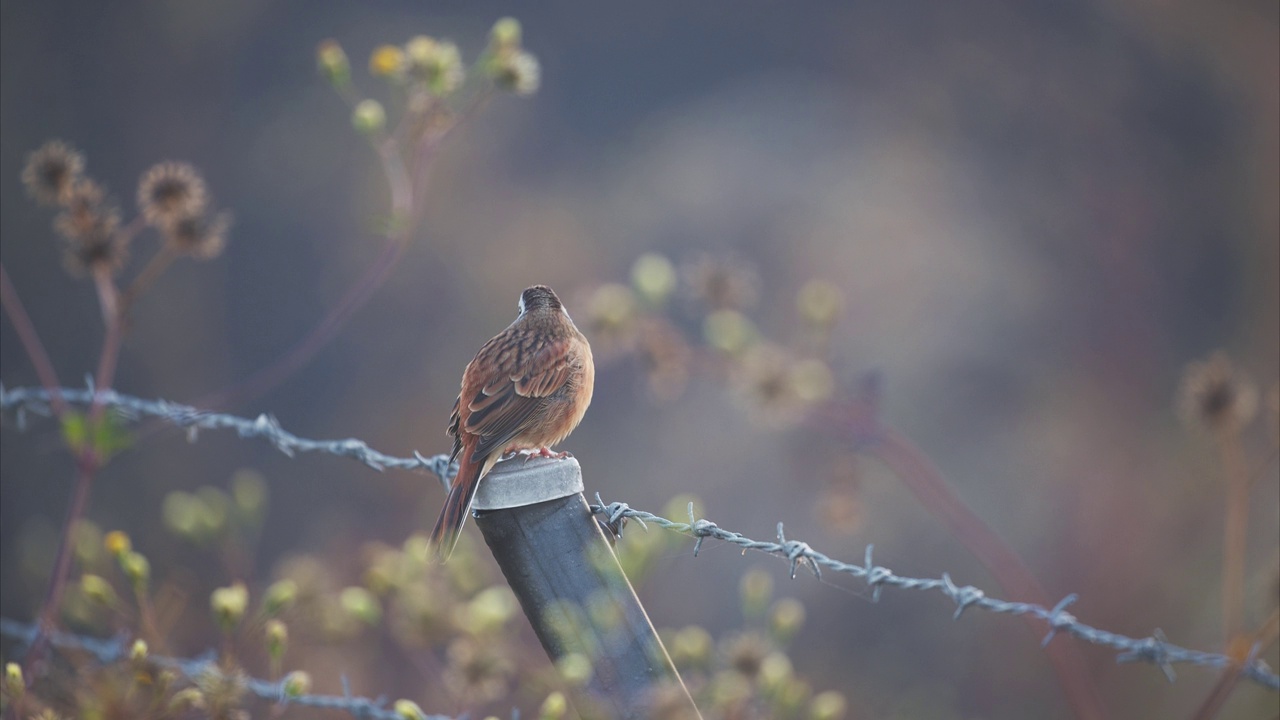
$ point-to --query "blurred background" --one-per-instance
(1036, 215)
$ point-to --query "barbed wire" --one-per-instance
(110, 650)
(21, 401)
(1154, 649)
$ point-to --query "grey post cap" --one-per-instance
(517, 482)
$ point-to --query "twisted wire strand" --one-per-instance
(1154, 649)
(110, 650)
(24, 401)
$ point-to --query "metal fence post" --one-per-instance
(563, 571)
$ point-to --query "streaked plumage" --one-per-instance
(527, 388)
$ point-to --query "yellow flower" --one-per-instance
(387, 61)
(117, 543)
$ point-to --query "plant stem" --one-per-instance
(402, 209)
(88, 461)
(1261, 640)
(86, 466)
(271, 375)
(154, 267)
(31, 343)
(1235, 531)
(860, 422)
(109, 299)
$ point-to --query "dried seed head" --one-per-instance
(277, 637)
(52, 171)
(98, 590)
(505, 34)
(723, 282)
(691, 647)
(229, 604)
(296, 683)
(554, 707)
(829, 705)
(85, 208)
(786, 619)
(819, 303)
(137, 568)
(518, 72)
(138, 651)
(333, 63)
(368, 117)
(408, 710)
(746, 653)
(477, 670)
(666, 358)
(766, 383)
(654, 277)
(360, 604)
(1217, 397)
(171, 191)
(203, 237)
(221, 690)
(437, 63)
(90, 226)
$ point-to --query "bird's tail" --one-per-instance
(444, 538)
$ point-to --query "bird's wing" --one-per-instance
(525, 375)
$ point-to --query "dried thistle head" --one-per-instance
(610, 319)
(52, 171)
(477, 671)
(84, 202)
(666, 357)
(518, 72)
(201, 236)
(435, 63)
(506, 62)
(772, 384)
(169, 192)
(90, 227)
(1217, 397)
(745, 653)
(222, 691)
(722, 282)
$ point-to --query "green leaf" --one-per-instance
(110, 435)
(75, 431)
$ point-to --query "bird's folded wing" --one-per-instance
(502, 408)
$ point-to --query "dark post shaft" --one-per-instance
(569, 583)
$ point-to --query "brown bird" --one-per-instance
(526, 389)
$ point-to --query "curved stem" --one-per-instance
(271, 375)
(31, 343)
(925, 481)
(858, 421)
(402, 208)
(1260, 642)
(88, 461)
(109, 299)
(86, 467)
(154, 267)
(1235, 533)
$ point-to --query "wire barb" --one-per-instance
(1154, 649)
(109, 650)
